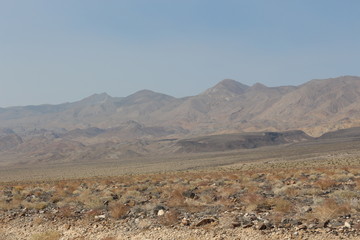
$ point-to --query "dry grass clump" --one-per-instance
(169, 218)
(176, 197)
(282, 205)
(357, 183)
(345, 195)
(66, 212)
(253, 201)
(118, 210)
(330, 209)
(325, 184)
(292, 192)
(35, 205)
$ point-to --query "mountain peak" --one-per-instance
(227, 86)
(146, 96)
(258, 86)
(96, 98)
(144, 92)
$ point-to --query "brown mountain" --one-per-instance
(103, 127)
(315, 107)
(318, 106)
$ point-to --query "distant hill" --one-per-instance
(226, 142)
(223, 117)
(342, 133)
(316, 107)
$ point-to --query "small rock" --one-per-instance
(347, 225)
(312, 226)
(236, 224)
(306, 209)
(205, 221)
(301, 227)
(326, 223)
(262, 227)
(100, 217)
(158, 208)
(161, 212)
(185, 222)
(189, 194)
(247, 225)
(114, 196)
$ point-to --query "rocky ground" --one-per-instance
(301, 203)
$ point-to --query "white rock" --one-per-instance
(347, 225)
(161, 212)
(100, 217)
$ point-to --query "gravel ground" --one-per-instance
(15, 231)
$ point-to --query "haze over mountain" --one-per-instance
(316, 107)
(105, 127)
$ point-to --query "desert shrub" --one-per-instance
(325, 184)
(330, 209)
(118, 210)
(176, 198)
(35, 205)
(253, 201)
(292, 192)
(282, 205)
(345, 195)
(169, 218)
(66, 211)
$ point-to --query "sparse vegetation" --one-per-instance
(281, 194)
(267, 196)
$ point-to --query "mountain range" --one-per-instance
(133, 125)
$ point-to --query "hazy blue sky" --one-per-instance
(58, 51)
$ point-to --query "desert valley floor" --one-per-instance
(305, 190)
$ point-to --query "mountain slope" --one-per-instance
(315, 107)
(318, 105)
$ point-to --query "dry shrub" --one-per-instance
(325, 184)
(204, 183)
(208, 197)
(118, 210)
(276, 218)
(94, 203)
(15, 203)
(66, 211)
(292, 192)
(357, 182)
(66, 187)
(19, 188)
(330, 209)
(252, 201)
(226, 192)
(49, 235)
(345, 195)
(176, 198)
(234, 177)
(169, 218)
(35, 205)
(282, 205)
